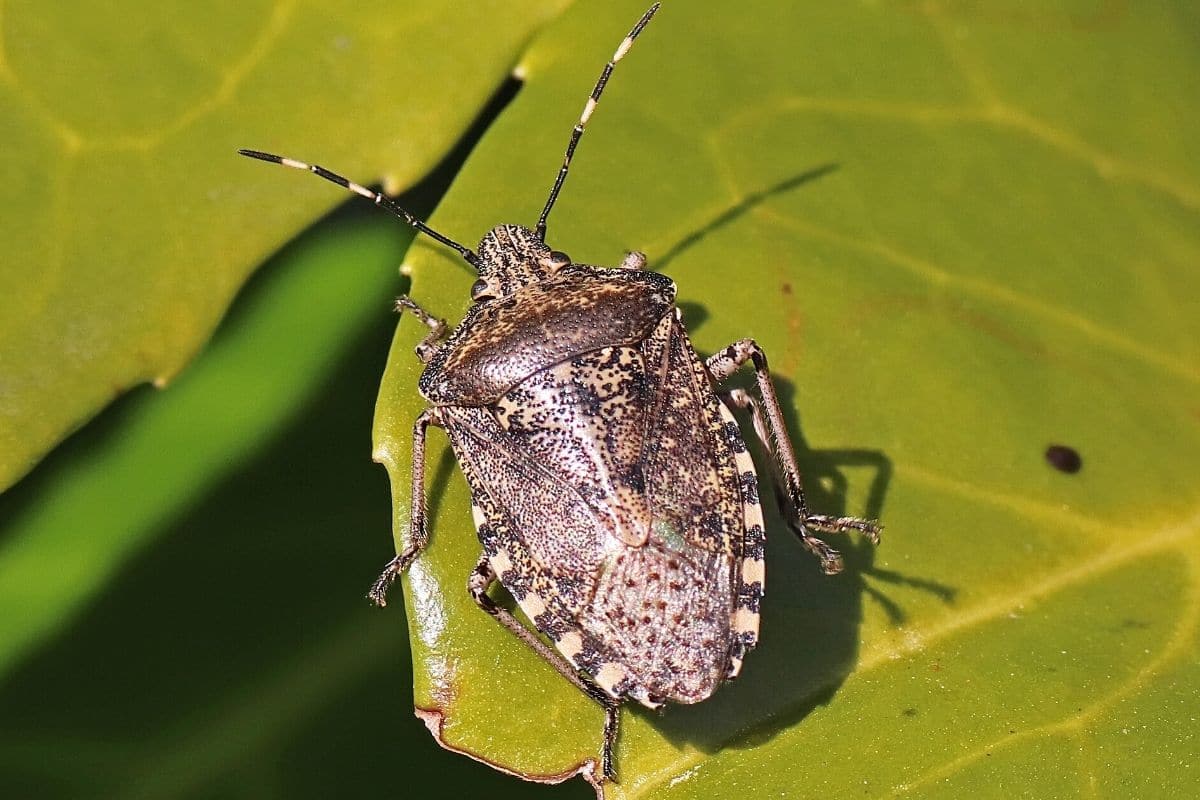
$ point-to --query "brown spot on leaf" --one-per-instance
(1064, 458)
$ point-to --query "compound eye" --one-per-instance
(557, 260)
(481, 290)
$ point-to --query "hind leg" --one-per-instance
(483, 577)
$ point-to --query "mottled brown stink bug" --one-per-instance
(611, 487)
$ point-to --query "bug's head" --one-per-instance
(512, 256)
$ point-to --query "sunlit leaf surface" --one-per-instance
(963, 233)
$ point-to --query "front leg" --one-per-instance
(767, 416)
(437, 327)
(418, 534)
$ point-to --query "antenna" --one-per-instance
(588, 109)
(377, 197)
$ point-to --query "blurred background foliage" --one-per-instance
(972, 230)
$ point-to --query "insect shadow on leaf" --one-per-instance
(819, 466)
(811, 621)
(732, 213)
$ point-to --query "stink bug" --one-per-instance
(611, 487)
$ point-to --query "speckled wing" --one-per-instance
(542, 539)
(673, 608)
(717, 508)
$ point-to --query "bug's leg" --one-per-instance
(772, 432)
(790, 494)
(482, 578)
(633, 260)
(418, 536)
(437, 327)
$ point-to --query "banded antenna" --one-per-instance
(378, 198)
(588, 109)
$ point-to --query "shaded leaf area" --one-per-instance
(962, 235)
(231, 652)
(71, 526)
(129, 223)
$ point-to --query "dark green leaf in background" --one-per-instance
(962, 232)
(173, 560)
(129, 224)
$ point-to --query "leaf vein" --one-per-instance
(1076, 723)
(1053, 513)
(999, 115)
(979, 287)
(969, 68)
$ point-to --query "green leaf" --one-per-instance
(129, 223)
(962, 233)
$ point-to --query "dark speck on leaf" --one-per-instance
(1063, 458)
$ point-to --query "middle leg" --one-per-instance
(767, 417)
(418, 534)
(437, 327)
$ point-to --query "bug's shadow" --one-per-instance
(810, 621)
(732, 213)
